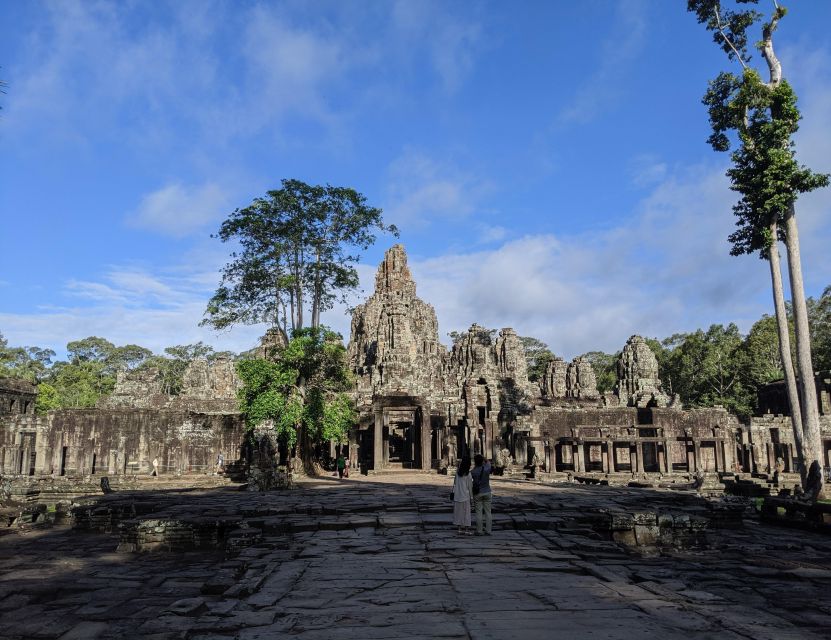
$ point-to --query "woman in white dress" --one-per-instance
(462, 496)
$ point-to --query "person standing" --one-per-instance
(341, 464)
(482, 496)
(220, 464)
(155, 467)
(462, 495)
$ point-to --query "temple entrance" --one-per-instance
(401, 443)
(399, 435)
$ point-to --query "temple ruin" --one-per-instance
(422, 406)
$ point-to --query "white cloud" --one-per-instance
(666, 269)
(607, 83)
(86, 68)
(647, 170)
(177, 210)
(155, 307)
(491, 233)
(421, 190)
(452, 43)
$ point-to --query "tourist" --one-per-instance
(220, 463)
(155, 471)
(462, 495)
(481, 476)
(341, 464)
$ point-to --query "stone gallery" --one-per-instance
(421, 406)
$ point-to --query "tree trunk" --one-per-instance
(812, 443)
(785, 347)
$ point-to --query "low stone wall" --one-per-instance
(117, 442)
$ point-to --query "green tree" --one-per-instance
(81, 384)
(27, 363)
(819, 317)
(764, 117)
(304, 392)
(763, 359)
(707, 368)
(48, 398)
(298, 248)
(537, 356)
(174, 363)
(605, 369)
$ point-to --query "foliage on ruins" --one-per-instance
(605, 369)
(537, 356)
(303, 391)
(298, 247)
(819, 318)
(172, 365)
(698, 365)
(90, 371)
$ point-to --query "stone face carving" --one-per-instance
(394, 343)
(270, 344)
(638, 381)
(206, 386)
(553, 382)
(142, 389)
(580, 379)
(211, 380)
(573, 380)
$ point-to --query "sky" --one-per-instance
(545, 162)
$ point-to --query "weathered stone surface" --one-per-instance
(638, 381)
(548, 567)
(395, 336)
(580, 379)
(142, 389)
(17, 396)
(553, 382)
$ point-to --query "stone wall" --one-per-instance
(207, 386)
(80, 442)
(17, 397)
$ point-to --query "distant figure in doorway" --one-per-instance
(462, 496)
(155, 471)
(481, 476)
(220, 463)
(341, 465)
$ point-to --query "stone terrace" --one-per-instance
(377, 558)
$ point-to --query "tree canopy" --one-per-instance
(759, 117)
(303, 392)
(298, 250)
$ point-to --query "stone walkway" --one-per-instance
(377, 558)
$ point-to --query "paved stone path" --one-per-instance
(377, 558)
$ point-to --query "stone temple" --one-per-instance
(424, 406)
(421, 406)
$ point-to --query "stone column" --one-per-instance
(378, 441)
(580, 460)
(521, 451)
(426, 428)
(639, 454)
(667, 456)
(697, 455)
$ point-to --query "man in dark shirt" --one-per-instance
(481, 476)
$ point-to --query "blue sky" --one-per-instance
(545, 161)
